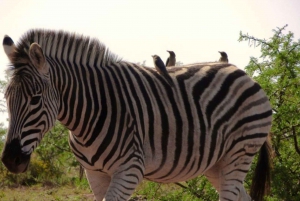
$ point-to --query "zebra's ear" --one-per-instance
(37, 58)
(8, 46)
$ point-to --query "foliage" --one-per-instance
(179, 63)
(2, 89)
(142, 63)
(277, 71)
(3, 83)
(198, 189)
(54, 151)
(52, 162)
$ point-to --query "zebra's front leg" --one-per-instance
(99, 183)
(124, 182)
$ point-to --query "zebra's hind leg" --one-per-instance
(228, 176)
(99, 183)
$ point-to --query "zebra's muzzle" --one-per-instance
(13, 158)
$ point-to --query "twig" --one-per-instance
(258, 66)
(184, 187)
(295, 140)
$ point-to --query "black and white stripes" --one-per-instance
(127, 123)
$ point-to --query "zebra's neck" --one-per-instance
(86, 93)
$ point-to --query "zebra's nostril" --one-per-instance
(17, 161)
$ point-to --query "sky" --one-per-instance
(134, 29)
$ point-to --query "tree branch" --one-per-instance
(258, 66)
(257, 40)
(295, 140)
(184, 187)
(296, 45)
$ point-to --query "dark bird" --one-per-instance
(161, 68)
(224, 57)
(171, 61)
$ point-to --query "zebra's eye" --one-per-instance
(35, 100)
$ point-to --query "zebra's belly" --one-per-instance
(172, 168)
(174, 173)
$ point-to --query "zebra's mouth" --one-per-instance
(16, 166)
(13, 159)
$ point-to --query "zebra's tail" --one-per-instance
(261, 179)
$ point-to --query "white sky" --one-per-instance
(134, 29)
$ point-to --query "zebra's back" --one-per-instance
(211, 106)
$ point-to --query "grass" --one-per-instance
(32, 186)
(45, 193)
(48, 192)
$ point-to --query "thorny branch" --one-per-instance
(258, 66)
(184, 187)
(295, 140)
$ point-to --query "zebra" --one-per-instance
(128, 124)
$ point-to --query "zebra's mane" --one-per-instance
(55, 44)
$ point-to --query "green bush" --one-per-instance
(198, 189)
(52, 163)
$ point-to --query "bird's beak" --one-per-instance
(219, 52)
(152, 55)
(168, 51)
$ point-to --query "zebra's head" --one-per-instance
(31, 103)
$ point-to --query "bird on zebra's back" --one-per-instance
(161, 68)
(224, 57)
(171, 61)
